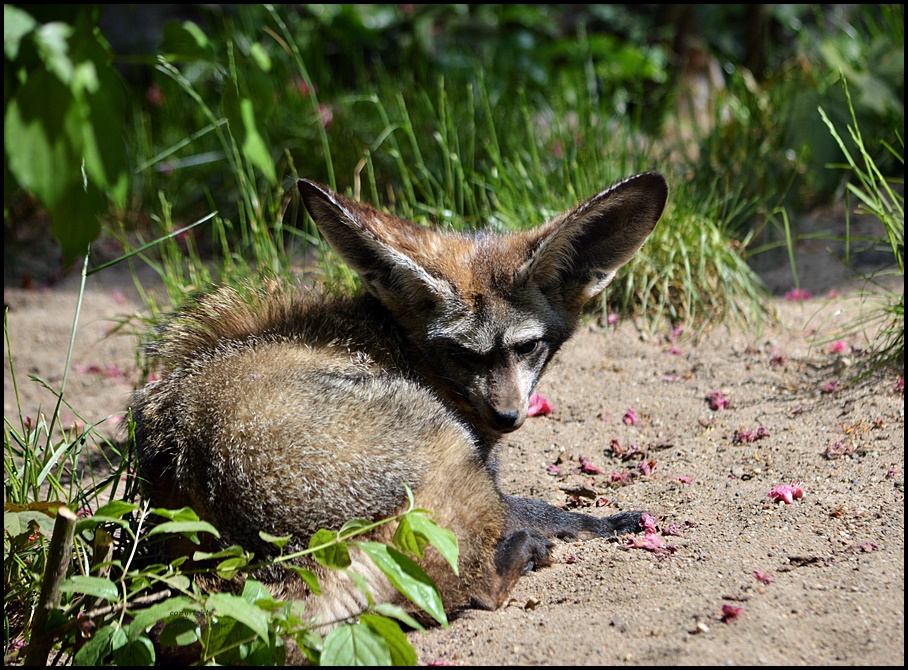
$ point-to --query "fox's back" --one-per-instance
(299, 409)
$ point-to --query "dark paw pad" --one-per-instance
(619, 524)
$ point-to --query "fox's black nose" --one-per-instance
(507, 420)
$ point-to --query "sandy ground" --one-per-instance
(832, 561)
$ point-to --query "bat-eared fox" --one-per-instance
(290, 409)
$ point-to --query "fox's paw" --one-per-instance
(619, 524)
(523, 551)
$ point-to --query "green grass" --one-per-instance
(880, 316)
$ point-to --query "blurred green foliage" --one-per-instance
(295, 86)
(64, 113)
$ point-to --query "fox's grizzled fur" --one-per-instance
(289, 410)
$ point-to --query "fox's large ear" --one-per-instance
(381, 248)
(578, 253)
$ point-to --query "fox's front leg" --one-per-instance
(550, 521)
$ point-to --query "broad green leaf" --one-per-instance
(335, 556)
(136, 652)
(440, 538)
(93, 652)
(254, 592)
(402, 652)
(16, 523)
(16, 25)
(180, 606)
(407, 577)
(189, 529)
(228, 568)
(399, 613)
(238, 609)
(104, 149)
(52, 40)
(116, 508)
(180, 632)
(185, 41)
(39, 138)
(76, 219)
(97, 520)
(98, 587)
(309, 577)
(408, 541)
(355, 644)
(182, 514)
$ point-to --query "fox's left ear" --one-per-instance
(578, 253)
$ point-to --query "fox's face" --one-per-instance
(484, 314)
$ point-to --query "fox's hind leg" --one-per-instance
(550, 521)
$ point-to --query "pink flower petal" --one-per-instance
(787, 493)
(630, 417)
(539, 405)
(798, 294)
(731, 612)
(587, 466)
(648, 522)
(717, 401)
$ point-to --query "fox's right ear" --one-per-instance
(375, 245)
(578, 253)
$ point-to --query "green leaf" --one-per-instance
(279, 542)
(137, 652)
(399, 613)
(254, 592)
(52, 41)
(182, 514)
(247, 131)
(104, 149)
(354, 526)
(309, 577)
(189, 529)
(98, 587)
(185, 41)
(440, 538)
(39, 138)
(16, 25)
(402, 652)
(259, 55)
(180, 632)
(355, 644)
(408, 541)
(407, 577)
(116, 508)
(335, 556)
(93, 652)
(76, 219)
(238, 609)
(227, 569)
(177, 607)
(16, 523)
(231, 551)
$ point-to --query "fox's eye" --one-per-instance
(526, 348)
